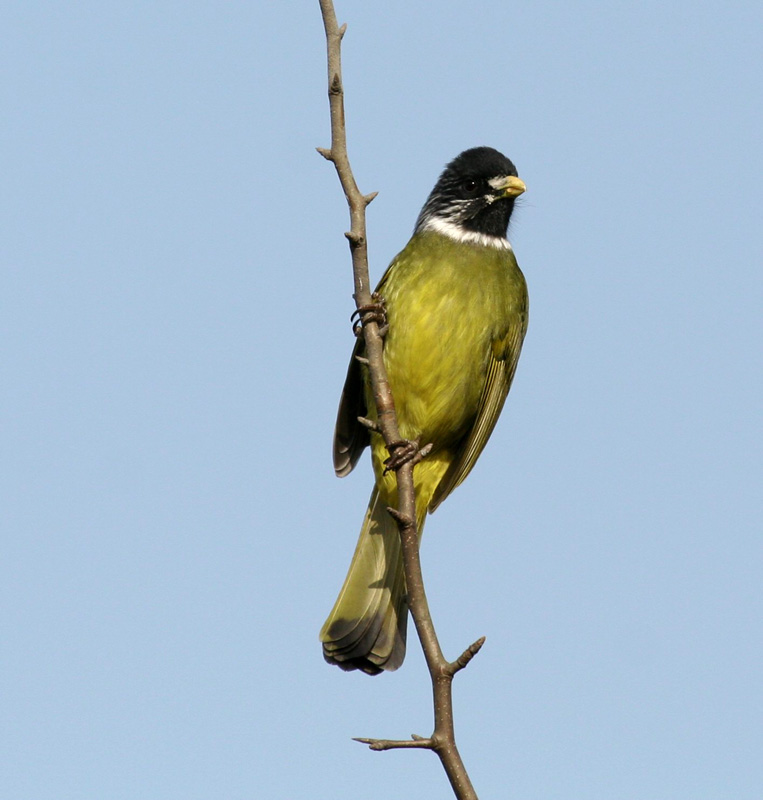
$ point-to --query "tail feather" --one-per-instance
(366, 629)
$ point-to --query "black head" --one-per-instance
(475, 193)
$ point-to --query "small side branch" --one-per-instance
(414, 743)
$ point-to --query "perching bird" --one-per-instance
(456, 306)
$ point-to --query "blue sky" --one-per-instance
(174, 313)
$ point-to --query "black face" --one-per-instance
(464, 197)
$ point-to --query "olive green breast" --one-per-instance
(449, 306)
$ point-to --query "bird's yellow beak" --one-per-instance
(509, 186)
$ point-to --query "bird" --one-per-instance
(456, 309)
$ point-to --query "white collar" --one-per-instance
(458, 234)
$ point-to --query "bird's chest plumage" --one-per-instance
(448, 304)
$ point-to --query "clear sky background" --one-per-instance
(174, 316)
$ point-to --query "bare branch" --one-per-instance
(441, 671)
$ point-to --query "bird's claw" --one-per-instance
(375, 311)
(405, 451)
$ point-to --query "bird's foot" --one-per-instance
(403, 452)
(375, 311)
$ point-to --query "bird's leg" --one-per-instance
(404, 451)
(375, 311)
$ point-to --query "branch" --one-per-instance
(441, 671)
(357, 203)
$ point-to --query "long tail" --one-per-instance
(366, 628)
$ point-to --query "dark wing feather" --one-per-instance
(350, 437)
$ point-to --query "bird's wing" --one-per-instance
(500, 372)
(350, 437)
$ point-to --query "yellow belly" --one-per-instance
(447, 303)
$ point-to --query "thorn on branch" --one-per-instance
(342, 30)
(372, 743)
(355, 239)
(466, 656)
(362, 360)
(368, 423)
(423, 453)
(326, 153)
(402, 519)
(369, 197)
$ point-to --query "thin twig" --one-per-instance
(442, 741)
(397, 744)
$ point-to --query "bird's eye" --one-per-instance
(470, 186)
